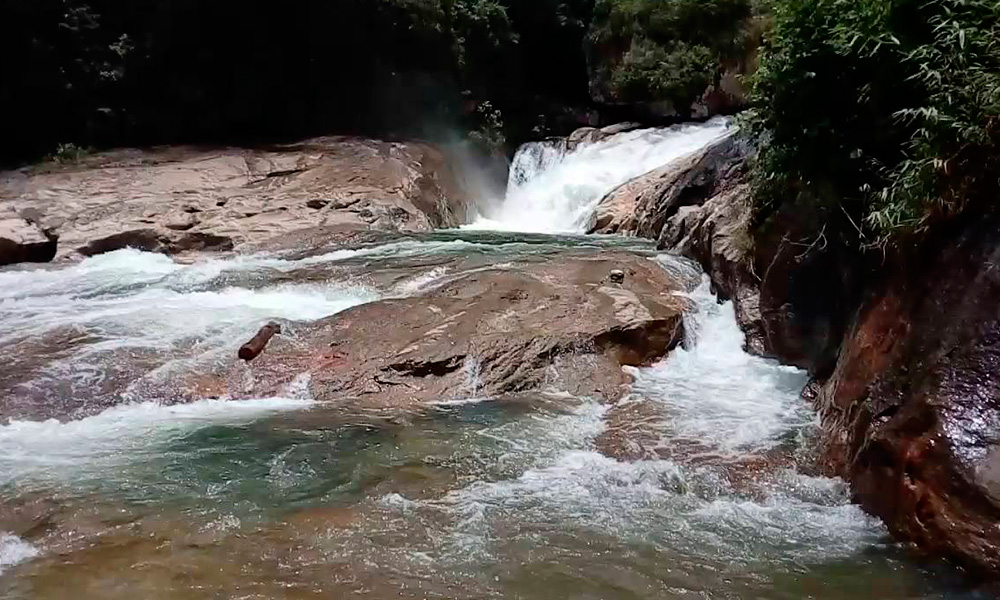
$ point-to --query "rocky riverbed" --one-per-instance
(459, 413)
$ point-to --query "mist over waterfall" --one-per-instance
(551, 190)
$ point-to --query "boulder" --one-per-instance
(555, 325)
(23, 241)
(717, 234)
(643, 205)
(180, 198)
(592, 135)
(699, 207)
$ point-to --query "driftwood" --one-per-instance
(255, 346)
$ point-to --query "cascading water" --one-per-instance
(113, 486)
(551, 191)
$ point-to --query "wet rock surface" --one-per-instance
(182, 198)
(912, 412)
(558, 325)
(643, 206)
(699, 207)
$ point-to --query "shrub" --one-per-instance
(665, 49)
(886, 109)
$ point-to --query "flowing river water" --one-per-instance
(114, 484)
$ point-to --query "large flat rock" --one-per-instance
(184, 198)
(559, 325)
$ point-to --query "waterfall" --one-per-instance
(554, 191)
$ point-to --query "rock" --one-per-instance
(911, 414)
(256, 345)
(196, 240)
(643, 205)
(699, 207)
(592, 135)
(584, 135)
(147, 240)
(181, 221)
(617, 128)
(906, 354)
(23, 241)
(158, 199)
(910, 399)
(717, 235)
(547, 325)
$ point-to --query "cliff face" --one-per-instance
(912, 411)
(905, 353)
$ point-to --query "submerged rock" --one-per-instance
(184, 198)
(554, 325)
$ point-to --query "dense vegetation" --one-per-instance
(139, 71)
(669, 51)
(113, 72)
(887, 111)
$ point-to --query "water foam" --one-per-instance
(717, 395)
(14, 550)
(712, 393)
(143, 316)
(120, 435)
(554, 193)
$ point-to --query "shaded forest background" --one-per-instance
(98, 73)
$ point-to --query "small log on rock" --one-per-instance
(255, 346)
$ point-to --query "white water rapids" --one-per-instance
(509, 497)
(551, 191)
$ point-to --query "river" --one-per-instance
(119, 481)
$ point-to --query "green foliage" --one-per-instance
(68, 154)
(488, 132)
(887, 109)
(671, 49)
(651, 72)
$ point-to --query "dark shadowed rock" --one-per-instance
(554, 325)
(24, 241)
(147, 240)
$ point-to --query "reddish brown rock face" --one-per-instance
(911, 403)
(912, 411)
